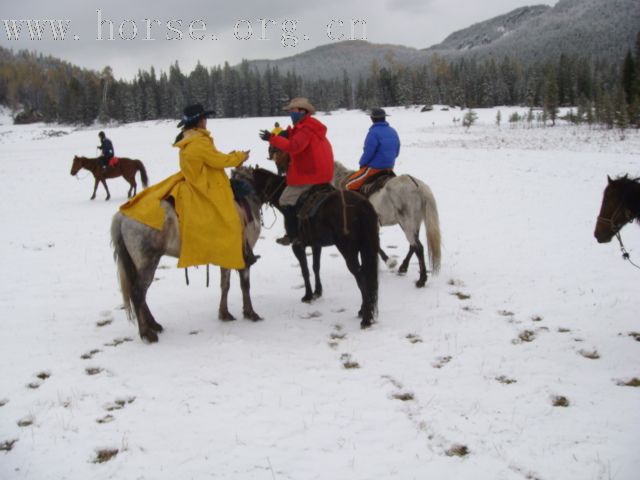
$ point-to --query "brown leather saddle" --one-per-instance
(376, 182)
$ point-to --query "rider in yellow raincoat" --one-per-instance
(210, 226)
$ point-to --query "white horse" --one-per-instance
(408, 202)
(138, 249)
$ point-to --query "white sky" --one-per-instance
(414, 23)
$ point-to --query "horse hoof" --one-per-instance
(365, 324)
(307, 299)
(317, 295)
(421, 283)
(156, 327)
(391, 263)
(150, 337)
(402, 270)
(253, 316)
(226, 317)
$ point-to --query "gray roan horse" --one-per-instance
(138, 249)
(408, 202)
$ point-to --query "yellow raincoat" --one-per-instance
(210, 226)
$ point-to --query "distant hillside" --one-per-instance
(600, 29)
(329, 61)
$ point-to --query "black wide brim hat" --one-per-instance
(193, 113)
(378, 114)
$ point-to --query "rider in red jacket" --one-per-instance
(311, 157)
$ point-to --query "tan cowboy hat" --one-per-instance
(301, 102)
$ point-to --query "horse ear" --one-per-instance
(609, 180)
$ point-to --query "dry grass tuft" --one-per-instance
(7, 445)
(506, 380)
(89, 355)
(93, 370)
(347, 362)
(26, 421)
(405, 397)
(106, 419)
(104, 455)
(461, 296)
(525, 336)
(457, 451)
(414, 338)
(105, 322)
(560, 401)
(634, 382)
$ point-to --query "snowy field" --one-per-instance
(456, 381)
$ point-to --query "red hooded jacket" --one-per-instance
(311, 154)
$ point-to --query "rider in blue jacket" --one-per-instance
(381, 148)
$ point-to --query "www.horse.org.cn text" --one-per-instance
(287, 31)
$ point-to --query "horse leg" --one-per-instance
(223, 310)
(104, 182)
(366, 309)
(147, 325)
(317, 251)
(419, 249)
(404, 266)
(245, 284)
(132, 186)
(390, 262)
(298, 251)
(95, 187)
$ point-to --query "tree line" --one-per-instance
(605, 92)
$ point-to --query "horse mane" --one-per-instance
(629, 189)
(340, 174)
(625, 179)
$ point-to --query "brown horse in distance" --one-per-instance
(125, 167)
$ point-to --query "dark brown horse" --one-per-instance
(125, 167)
(620, 205)
(346, 220)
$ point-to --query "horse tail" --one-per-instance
(432, 226)
(143, 173)
(127, 272)
(370, 245)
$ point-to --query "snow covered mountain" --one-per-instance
(601, 29)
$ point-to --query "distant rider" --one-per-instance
(106, 147)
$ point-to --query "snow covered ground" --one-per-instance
(455, 381)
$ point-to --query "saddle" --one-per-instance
(376, 182)
(308, 205)
(241, 190)
(113, 161)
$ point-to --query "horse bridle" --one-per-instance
(616, 226)
(628, 218)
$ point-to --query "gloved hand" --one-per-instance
(265, 135)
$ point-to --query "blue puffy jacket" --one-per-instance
(381, 147)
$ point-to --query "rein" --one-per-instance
(618, 226)
(625, 254)
(78, 178)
